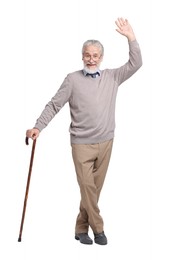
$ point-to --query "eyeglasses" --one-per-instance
(94, 57)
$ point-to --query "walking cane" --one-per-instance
(27, 186)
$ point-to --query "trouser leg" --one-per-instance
(91, 163)
(101, 165)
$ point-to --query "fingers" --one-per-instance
(121, 22)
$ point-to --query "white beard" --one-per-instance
(90, 71)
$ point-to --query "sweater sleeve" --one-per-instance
(129, 68)
(54, 105)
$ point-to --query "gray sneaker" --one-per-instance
(84, 238)
(100, 238)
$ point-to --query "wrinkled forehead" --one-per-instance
(92, 49)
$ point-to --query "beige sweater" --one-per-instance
(91, 100)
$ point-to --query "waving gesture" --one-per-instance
(124, 28)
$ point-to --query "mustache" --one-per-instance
(91, 63)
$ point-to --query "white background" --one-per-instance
(40, 44)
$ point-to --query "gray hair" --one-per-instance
(93, 42)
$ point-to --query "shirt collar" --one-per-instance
(85, 72)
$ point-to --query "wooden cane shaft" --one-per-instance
(27, 188)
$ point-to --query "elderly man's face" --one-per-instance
(92, 57)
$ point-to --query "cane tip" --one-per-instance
(19, 239)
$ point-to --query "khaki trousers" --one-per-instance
(91, 163)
